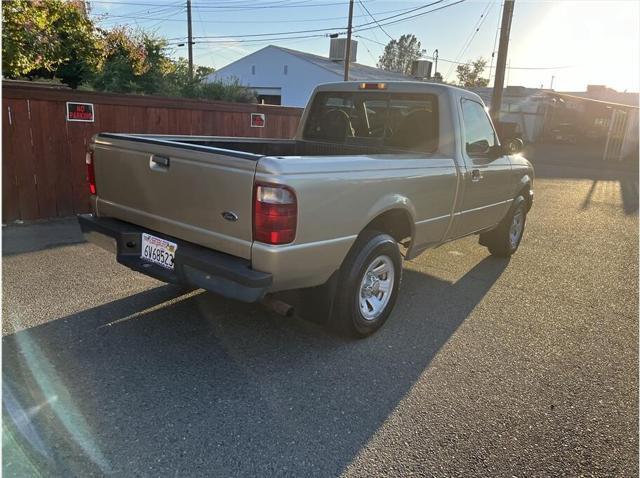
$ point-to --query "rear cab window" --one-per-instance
(388, 120)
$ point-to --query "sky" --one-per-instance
(570, 42)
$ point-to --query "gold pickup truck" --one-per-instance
(376, 172)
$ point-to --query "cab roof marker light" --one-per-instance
(373, 86)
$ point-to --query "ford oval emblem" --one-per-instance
(230, 216)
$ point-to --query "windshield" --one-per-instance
(399, 121)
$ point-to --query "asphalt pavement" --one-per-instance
(487, 367)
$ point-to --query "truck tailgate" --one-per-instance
(195, 193)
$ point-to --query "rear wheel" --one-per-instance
(368, 285)
(504, 240)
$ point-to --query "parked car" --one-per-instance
(377, 172)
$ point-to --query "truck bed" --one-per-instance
(266, 147)
(189, 186)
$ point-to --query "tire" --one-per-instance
(503, 241)
(361, 304)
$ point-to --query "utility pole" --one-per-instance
(190, 39)
(551, 85)
(501, 63)
(347, 50)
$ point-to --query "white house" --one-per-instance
(287, 77)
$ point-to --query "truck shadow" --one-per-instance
(203, 386)
(561, 161)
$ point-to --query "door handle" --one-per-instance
(159, 162)
(476, 175)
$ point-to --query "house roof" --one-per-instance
(581, 96)
(357, 71)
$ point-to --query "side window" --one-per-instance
(479, 136)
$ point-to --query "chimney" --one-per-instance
(338, 47)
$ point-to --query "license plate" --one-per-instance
(157, 250)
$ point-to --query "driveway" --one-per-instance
(487, 367)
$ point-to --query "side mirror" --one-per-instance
(513, 145)
(479, 147)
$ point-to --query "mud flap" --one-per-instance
(314, 304)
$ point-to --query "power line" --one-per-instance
(411, 10)
(230, 39)
(373, 18)
(364, 13)
(252, 35)
(231, 5)
(474, 32)
(148, 15)
(515, 67)
(415, 16)
(236, 8)
(369, 51)
(341, 30)
(371, 40)
(495, 41)
(303, 20)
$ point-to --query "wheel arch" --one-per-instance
(397, 222)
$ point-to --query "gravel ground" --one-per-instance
(527, 367)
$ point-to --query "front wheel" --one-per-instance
(368, 285)
(504, 240)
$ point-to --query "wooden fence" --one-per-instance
(43, 154)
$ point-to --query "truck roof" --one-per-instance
(400, 87)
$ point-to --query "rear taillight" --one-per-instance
(275, 214)
(91, 173)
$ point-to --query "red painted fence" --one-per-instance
(43, 154)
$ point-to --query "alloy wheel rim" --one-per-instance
(517, 224)
(376, 287)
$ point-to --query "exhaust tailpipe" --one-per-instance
(277, 306)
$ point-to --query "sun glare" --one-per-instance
(598, 42)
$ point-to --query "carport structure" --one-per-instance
(612, 126)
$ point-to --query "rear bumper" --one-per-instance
(193, 265)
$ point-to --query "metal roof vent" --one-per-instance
(338, 47)
(421, 69)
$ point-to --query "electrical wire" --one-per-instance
(474, 32)
(362, 27)
(464, 63)
(495, 41)
(303, 20)
(373, 18)
(414, 16)
(369, 51)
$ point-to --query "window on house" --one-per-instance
(286, 69)
(253, 69)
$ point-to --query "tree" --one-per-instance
(51, 38)
(56, 40)
(469, 74)
(124, 61)
(138, 62)
(400, 54)
(437, 77)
